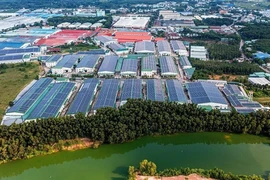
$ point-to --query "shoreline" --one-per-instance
(179, 177)
(63, 145)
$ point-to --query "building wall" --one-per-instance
(148, 73)
(84, 70)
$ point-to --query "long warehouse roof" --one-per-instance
(155, 90)
(68, 61)
(84, 97)
(129, 65)
(177, 45)
(145, 46)
(167, 65)
(108, 63)
(175, 91)
(132, 89)
(19, 50)
(163, 46)
(88, 61)
(149, 63)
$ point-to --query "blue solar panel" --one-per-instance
(203, 92)
(167, 65)
(108, 64)
(54, 58)
(132, 89)
(175, 91)
(155, 90)
(145, 47)
(31, 96)
(149, 63)
(68, 61)
(163, 46)
(129, 65)
(84, 97)
(11, 57)
(20, 50)
(88, 61)
(107, 95)
(50, 104)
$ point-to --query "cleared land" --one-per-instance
(13, 79)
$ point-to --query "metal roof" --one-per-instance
(149, 63)
(167, 65)
(88, 61)
(143, 46)
(163, 46)
(175, 91)
(108, 64)
(155, 90)
(68, 61)
(129, 65)
(132, 89)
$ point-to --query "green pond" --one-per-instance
(239, 154)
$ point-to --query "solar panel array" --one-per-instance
(204, 92)
(19, 50)
(31, 96)
(184, 61)
(116, 46)
(88, 61)
(93, 51)
(145, 46)
(149, 63)
(68, 61)
(132, 89)
(234, 89)
(107, 95)
(175, 91)
(108, 63)
(50, 104)
(11, 57)
(177, 45)
(163, 46)
(84, 97)
(155, 90)
(167, 65)
(129, 65)
(54, 58)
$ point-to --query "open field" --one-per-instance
(227, 77)
(263, 100)
(13, 79)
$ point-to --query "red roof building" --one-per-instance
(124, 37)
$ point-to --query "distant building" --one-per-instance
(198, 52)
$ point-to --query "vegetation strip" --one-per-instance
(148, 168)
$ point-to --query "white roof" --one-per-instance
(261, 81)
(132, 22)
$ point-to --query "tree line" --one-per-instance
(148, 168)
(206, 68)
(224, 51)
(255, 31)
(137, 118)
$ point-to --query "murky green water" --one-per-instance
(240, 154)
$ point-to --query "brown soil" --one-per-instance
(230, 77)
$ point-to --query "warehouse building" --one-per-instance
(118, 49)
(179, 48)
(108, 65)
(132, 22)
(261, 81)
(104, 40)
(33, 51)
(66, 64)
(107, 94)
(145, 47)
(167, 66)
(99, 52)
(132, 89)
(84, 98)
(175, 91)
(19, 58)
(184, 62)
(148, 66)
(53, 60)
(87, 64)
(129, 67)
(54, 101)
(155, 90)
(198, 52)
(164, 48)
(206, 94)
(132, 37)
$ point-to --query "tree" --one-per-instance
(11, 103)
(131, 173)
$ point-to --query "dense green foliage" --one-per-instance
(224, 52)
(259, 90)
(255, 31)
(261, 45)
(206, 68)
(211, 173)
(217, 21)
(135, 119)
(54, 21)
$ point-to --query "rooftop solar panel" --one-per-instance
(184, 61)
(24, 103)
(129, 65)
(108, 63)
(145, 46)
(68, 61)
(20, 50)
(175, 91)
(234, 89)
(163, 46)
(11, 57)
(177, 45)
(149, 63)
(167, 65)
(155, 90)
(132, 89)
(203, 92)
(51, 103)
(54, 58)
(84, 97)
(107, 95)
(88, 61)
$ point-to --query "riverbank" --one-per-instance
(181, 177)
(63, 145)
(148, 170)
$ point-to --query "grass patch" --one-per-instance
(13, 78)
(262, 100)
